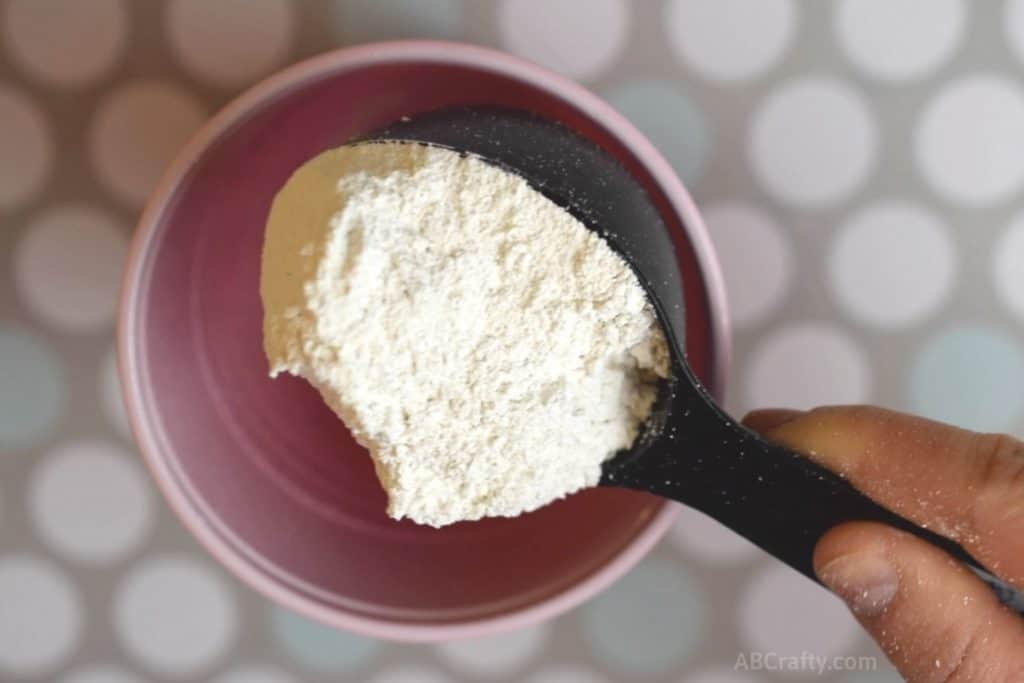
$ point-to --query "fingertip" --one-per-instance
(850, 538)
(853, 562)
(932, 616)
(767, 419)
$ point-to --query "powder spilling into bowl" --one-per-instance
(487, 348)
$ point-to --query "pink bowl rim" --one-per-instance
(347, 59)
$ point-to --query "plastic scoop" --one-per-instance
(690, 451)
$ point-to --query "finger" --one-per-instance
(934, 620)
(770, 418)
(966, 486)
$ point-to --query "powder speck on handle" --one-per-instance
(487, 348)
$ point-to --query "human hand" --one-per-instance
(934, 619)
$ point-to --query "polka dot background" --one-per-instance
(859, 166)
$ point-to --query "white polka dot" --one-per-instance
(783, 612)
(813, 142)
(110, 394)
(230, 42)
(1008, 266)
(68, 267)
(101, 674)
(730, 40)
(498, 655)
(33, 393)
(90, 501)
(135, 133)
(893, 263)
(898, 40)
(27, 148)
(65, 42)
(40, 616)
(969, 376)
(254, 674)
(566, 675)
(969, 140)
(319, 647)
(1014, 25)
(411, 675)
(647, 622)
(175, 616)
(561, 38)
(671, 120)
(361, 21)
(755, 257)
(806, 365)
(707, 540)
(719, 676)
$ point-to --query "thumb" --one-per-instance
(935, 621)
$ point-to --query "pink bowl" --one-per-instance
(260, 471)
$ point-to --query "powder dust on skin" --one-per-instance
(487, 348)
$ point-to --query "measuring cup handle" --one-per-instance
(776, 498)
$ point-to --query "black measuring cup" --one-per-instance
(690, 450)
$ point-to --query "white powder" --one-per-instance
(487, 348)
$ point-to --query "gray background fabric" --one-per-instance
(859, 164)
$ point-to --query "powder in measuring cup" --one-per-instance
(487, 348)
